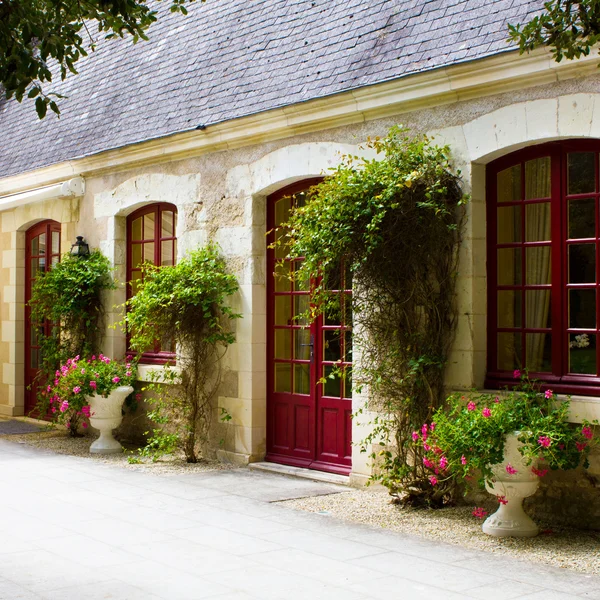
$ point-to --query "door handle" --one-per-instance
(312, 347)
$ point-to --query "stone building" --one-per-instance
(201, 128)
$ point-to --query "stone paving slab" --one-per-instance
(71, 529)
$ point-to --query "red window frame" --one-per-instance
(156, 356)
(559, 379)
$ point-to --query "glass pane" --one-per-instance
(42, 263)
(283, 377)
(302, 379)
(35, 246)
(42, 242)
(149, 230)
(538, 265)
(55, 242)
(283, 310)
(136, 255)
(537, 309)
(55, 260)
(282, 210)
(582, 353)
(509, 224)
(537, 178)
(509, 184)
(299, 284)
(168, 224)
(282, 276)
(333, 384)
(509, 266)
(149, 252)
(34, 267)
(582, 309)
(581, 172)
(332, 349)
(509, 351)
(136, 277)
(166, 254)
(348, 345)
(34, 359)
(302, 344)
(136, 230)
(283, 343)
(509, 308)
(582, 263)
(33, 336)
(347, 383)
(301, 304)
(537, 222)
(539, 352)
(582, 218)
(300, 199)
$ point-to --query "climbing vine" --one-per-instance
(394, 221)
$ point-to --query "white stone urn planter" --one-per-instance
(106, 415)
(510, 520)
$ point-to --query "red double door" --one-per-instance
(42, 251)
(309, 387)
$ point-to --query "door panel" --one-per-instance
(308, 423)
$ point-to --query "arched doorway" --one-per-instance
(308, 422)
(42, 251)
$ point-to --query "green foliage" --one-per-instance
(69, 296)
(35, 33)
(570, 27)
(467, 438)
(394, 223)
(185, 303)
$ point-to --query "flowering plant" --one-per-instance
(468, 436)
(66, 398)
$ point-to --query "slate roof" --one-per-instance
(231, 58)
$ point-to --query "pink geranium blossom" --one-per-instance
(471, 406)
(415, 435)
(76, 389)
(539, 472)
(64, 406)
(433, 480)
(116, 379)
(544, 441)
(463, 460)
(548, 394)
(502, 499)
(479, 512)
(93, 385)
(486, 412)
(516, 374)
(443, 462)
(510, 469)
(588, 434)
(429, 464)
(581, 446)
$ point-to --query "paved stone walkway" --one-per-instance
(71, 529)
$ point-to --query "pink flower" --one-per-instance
(138, 397)
(429, 464)
(548, 394)
(581, 446)
(539, 472)
(471, 406)
(128, 374)
(427, 447)
(588, 434)
(443, 462)
(93, 385)
(84, 425)
(433, 480)
(415, 435)
(502, 499)
(432, 427)
(516, 374)
(76, 389)
(545, 441)
(64, 406)
(497, 400)
(54, 409)
(56, 382)
(424, 428)
(83, 371)
(116, 379)
(93, 357)
(85, 410)
(463, 460)
(48, 388)
(486, 412)
(479, 512)
(510, 469)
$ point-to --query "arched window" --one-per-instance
(151, 238)
(543, 266)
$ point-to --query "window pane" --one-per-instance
(537, 222)
(332, 350)
(149, 252)
(35, 246)
(283, 377)
(302, 344)
(55, 242)
(34, 359)
(136, 255)
(149, 230)
(582, 263)
(34, 267)
(509, 351)
(509, 266)
(509, 184)
(300, 307)
(538, 265)
(298, 283)
(582, 309)
(537, 309)
(509, 308)
(166, 253)
(332, 387)
(582, 354)
(509, 224)
(283, 310)
(539, 352)
(282, 276)
(582, 218)
(136, 277)
(42, 243)
(537, 178)
(283, 346)
(168, 224)
(282, 210)
(581, 172)
(136, 230)
(302, 379)
(348, 345)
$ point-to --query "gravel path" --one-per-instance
(559, 547)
